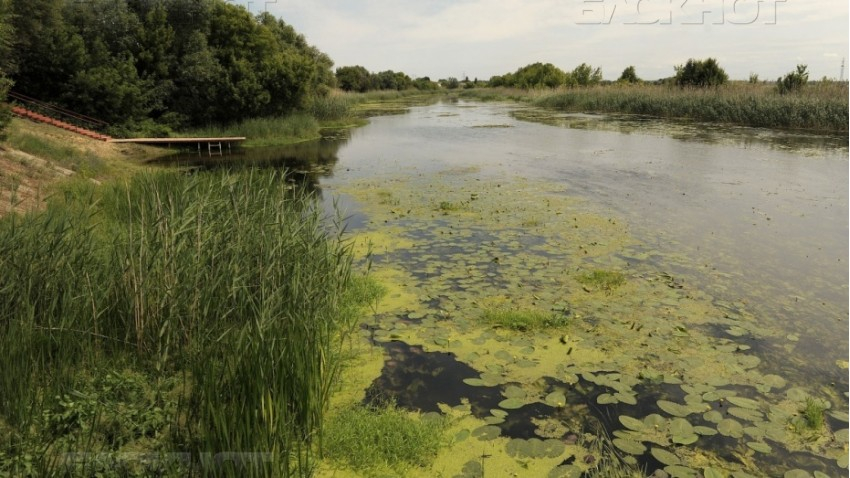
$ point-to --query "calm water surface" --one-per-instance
(761, 217)
(753, 219)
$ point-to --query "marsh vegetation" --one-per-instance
(168, 312)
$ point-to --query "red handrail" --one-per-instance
(93, 123)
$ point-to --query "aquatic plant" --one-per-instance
(820, 106)
(813, 414)
(524, 320)
(599, 279)
(232, 284)
(383, 439)
(448, 206)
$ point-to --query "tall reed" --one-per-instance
(820, 107)
(233, 281)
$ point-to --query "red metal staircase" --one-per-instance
(32, 109)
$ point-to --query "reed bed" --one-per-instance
(229, 285)
(819, 107)
(263, 131)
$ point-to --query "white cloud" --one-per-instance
(441, 38)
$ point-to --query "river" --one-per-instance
(732, 243)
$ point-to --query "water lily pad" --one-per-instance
(462, 435)
(512, 403)
(556, 399)
(680, 426)
(712, 416)
(797, 474)
(755, 432)
(606, 399)
(840, 415)
(475, 382)
(674, 409)
(494, 420)
(760, 447)
(796, 394)
(665, 456)
(498, 413)
(705, 431)
(512, 391)
(678, 471)
(745, 414)
(629, 446)
(553, 448)
(487, 432)
(631, 423)
(744, 402)
(654, 420)
(749, 361)
(566, 471)
(627, 398)
(841, 436)
(710, 472)
(730, 428)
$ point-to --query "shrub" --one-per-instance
(700, 73)
(793, 81)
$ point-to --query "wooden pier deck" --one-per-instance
(214, 145)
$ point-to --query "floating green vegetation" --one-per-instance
(600, 279)
(524, 320)
(386, 198)
(448, 206)
(376, 441)
(472, 279)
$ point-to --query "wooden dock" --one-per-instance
(214, 145)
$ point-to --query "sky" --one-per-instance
(482, 38)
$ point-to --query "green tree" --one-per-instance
(7, 66)
(700, 73)
(586, 75)
(451, 83)
(536, 75)
(48, 51)
(629, 76)
(353, 78)
(793, 81)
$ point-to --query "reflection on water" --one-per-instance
(753, 219)
(306, 161)
(746, 137)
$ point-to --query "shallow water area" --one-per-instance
(731, 315)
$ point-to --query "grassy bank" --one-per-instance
(167, 312)
(337, 110)
(35, 157)
(819, 107)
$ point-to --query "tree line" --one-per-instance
(358, 79)
(159, 62)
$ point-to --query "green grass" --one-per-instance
(524, 320)
(264, 131)
(88, 165)
(227, 294)
(599, 279)
(378, 441)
